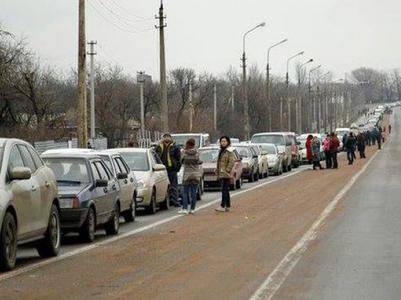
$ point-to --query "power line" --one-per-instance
(124, 10)
(115, 24)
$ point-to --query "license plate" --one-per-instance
(210, 178)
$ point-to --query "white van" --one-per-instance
(283, 142)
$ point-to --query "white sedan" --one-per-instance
(151, 176)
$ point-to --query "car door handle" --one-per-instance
(105, 190)
(33, 189)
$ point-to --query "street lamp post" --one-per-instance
(311, 105)
(287, 82)
(319, 105)
(269, 104)
(299, 106)
(244, 89)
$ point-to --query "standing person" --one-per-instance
(379, 137)
(361, 144)
(191, 176)
(170, 155)
(350, 146)
(316, 153)
(308, 147)
(334, 145)
(326, 148)
(225, 164)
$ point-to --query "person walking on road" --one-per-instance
(350, 147)
(225, 164)
(308, 147)
(316, 153)
(326, 148)
(191, 177)
(361, 143)
(334, 146)
(170, 155)
(379, 137)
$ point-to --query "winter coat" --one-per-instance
(191, 163)
(334, 144)
(308, 147)
(350, 143)
(170, 156)
(361, 142)
(225, 163)
(315, 148)
(326, 144)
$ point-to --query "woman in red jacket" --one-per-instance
(308, 147)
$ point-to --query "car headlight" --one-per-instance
(69, 202)
(141, 184)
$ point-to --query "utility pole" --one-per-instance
(245, 97)
(92, 54)
(215, 107)
(232, 99)
(81, 120)
(141, 81)
(191, 108)
(319, 111)
(281, 114)
(269, 113)
(163, 83)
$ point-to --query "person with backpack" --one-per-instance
(225, 164)
(191, 177)
(170, 155)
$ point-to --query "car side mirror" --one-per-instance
(101, 183)
(20, 173)
(159, 167)
(122, 176)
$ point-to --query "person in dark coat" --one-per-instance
(170, 155)
(379, 136)
(361, 143)
(308, 147)
(334, 146)
(350, 146)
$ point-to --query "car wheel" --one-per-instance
(151, 209)
(251, 178)
(87, 232)
(50, 245)
(256, 175)
(113, 225)
(202, 186)
(130, 214)
(165, 205)
(199, 193)
(8, 243)
(233, 186)
(289, 168)
(238, 183)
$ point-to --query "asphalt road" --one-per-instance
(358, 254)
(28, 256)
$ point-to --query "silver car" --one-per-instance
(29, 206)
(274, 158)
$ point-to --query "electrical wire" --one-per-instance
(124, 10)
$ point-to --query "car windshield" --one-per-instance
(137, 161)
(209, 155)
(69, 171)
(244, 152)
(180, 140)
(275, 139)
(270, 149)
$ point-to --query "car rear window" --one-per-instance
(69, 170)
(275, 139)
(209, 155)
(137, 161)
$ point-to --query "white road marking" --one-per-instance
(95, 245)
(277, 277)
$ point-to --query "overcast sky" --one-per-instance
(207, 34)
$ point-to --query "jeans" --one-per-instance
(173, 188)
(190, 195)
(328, 159)
(350, 155)
(333, 156)
(225, 191)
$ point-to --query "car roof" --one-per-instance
(272, 133)
(128, 150)
(210, 148)
(3, 141)
(70, 155)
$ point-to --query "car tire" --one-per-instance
(238, 183)
(50, 245)
(289, 168)
(151, 209)
(256, 175)
(8, 243)
(233, 186)
(165, 205)
(88, 229)
(130, 214)
(251, 178)
(113, 225)
(199, 193)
